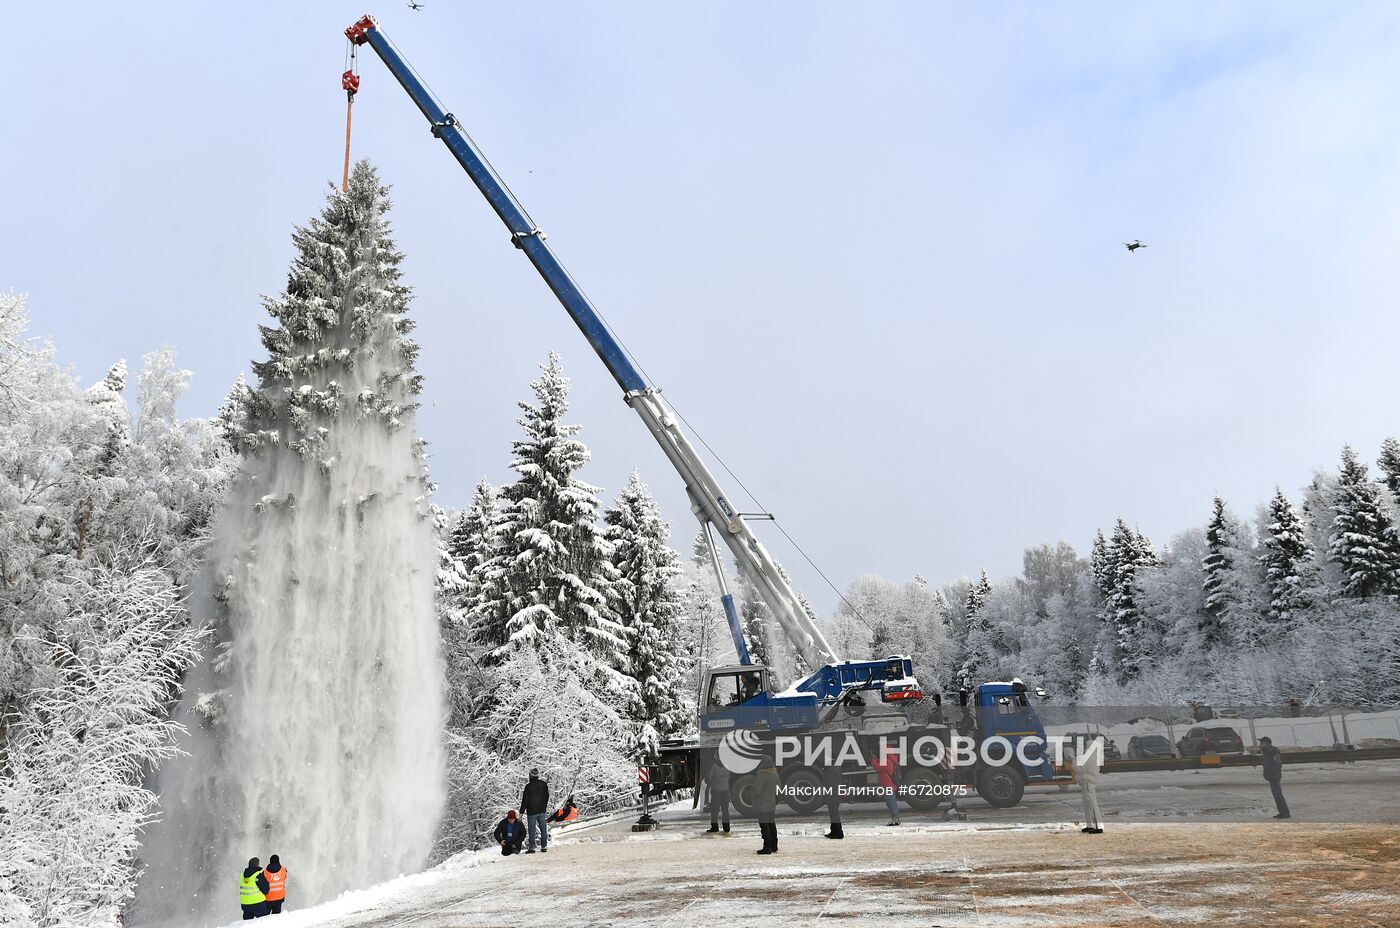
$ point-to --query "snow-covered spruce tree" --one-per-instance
(232, 418)
(1232, 597)
(705, 632)
(554, 558)
(323, 589)
(1389, 463)
(1129, 553)
(1219, 567)
(977, 652)
(1364, 543)
(755, 617)
(1286, 559)
(649, 605)
(1101, 565)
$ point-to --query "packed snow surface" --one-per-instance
(1029, 865)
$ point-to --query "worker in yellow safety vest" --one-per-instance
(252, 891)
(276, 884)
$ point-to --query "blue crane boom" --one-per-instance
(708, 501)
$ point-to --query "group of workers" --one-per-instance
(262, 890)
(511, 833)
(1087, 765)
(764, 795)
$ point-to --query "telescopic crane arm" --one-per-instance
(709, 502)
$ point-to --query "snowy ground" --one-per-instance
(1181, 848)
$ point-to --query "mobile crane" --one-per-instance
(735, 698)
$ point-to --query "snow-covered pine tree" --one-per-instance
(1286, 560)
(648, 603)
(706, 631)
(976, 651)
(555, 559)
(475, 542)
(1389, 463)
(325, 581)
(232, 417)
(1364, 543)
(755, 617)
(1101, 565)
(1221, 585)
(1129, 552)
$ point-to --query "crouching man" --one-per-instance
(510, 834)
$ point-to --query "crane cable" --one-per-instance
(350, 83)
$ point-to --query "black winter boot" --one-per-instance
(836, 831)
(713, 829)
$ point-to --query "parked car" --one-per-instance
(1146, 747)
(1110, 749)
(1218, 739)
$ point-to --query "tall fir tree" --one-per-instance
(1364, 543)
(1219, 567)
(344, 304)
(755, 617)
(1129, 553)
(977, 645)
(1286, 560)
(1101, 565)
(649, 604)
(553, 557)
(1389, 463)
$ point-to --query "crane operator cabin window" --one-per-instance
(731, 689)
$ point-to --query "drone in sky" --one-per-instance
(1134, 245)
(416, 7)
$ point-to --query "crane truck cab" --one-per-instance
(740, 696)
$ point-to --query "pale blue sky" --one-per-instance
(871, 250)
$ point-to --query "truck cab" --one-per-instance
(1004, 710)
(739, 696)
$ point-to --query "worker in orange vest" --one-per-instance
(276, 875)
(565, 814)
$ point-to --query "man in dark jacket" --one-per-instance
(252, 891)
(1273, 773)
(534, 805)
(510, 834)
(832, 781)
(718, 782)
(765, 803)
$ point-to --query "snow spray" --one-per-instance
(316, 723)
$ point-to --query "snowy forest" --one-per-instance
(573, 624)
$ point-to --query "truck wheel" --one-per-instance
(741, 794)
(924, 790)
(806, 791)
(1000, 786)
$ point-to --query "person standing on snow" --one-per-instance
(888, 772)
(1273, 773)
(832, 782)
(1088, 758)
(718, 782)
(510, 834)
(276, 876)
(534, 805)
(765, 802)
(252, 891)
